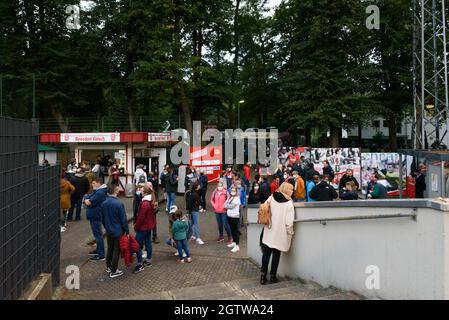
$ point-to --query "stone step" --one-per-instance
(340, 296)
(201, 292)
(272, 286)
(244, 283)
(299, 294)
(229, 295)
(152, 296)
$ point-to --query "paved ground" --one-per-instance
(215, 272)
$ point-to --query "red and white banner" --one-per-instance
(90, 137)
(208, 159)
(159, 137)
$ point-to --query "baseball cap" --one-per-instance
(173, 209)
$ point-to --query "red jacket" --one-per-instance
(128, 246)
(146, 218)
(273, 187)
(247, 172)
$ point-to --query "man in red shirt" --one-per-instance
(247, 176)
(293, 157)
(274, 185)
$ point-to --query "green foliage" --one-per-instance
(304, 67)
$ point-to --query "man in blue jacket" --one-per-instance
(93, 202)
(115, 222)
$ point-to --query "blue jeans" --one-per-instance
(98, 235)
(222, 220)
(170, 200)
(195, 224)
(141, 238)
(183, 245)
(75, 203)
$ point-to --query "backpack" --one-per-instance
(142, 179)
(264, 214)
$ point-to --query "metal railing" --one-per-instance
(324, 221)
(105, 124)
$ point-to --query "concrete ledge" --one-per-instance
(437, 204)
(40, 289)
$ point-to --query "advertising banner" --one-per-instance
(340, 159)
(208, 159)
(90, 137)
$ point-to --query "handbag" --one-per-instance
(264, 214)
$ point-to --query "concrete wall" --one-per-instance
(412, 254)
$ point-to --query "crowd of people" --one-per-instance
(298, 181)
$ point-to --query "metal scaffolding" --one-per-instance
(430, 81)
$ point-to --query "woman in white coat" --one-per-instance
(278, 238)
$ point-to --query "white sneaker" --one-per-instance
(63, 229)
(231, 245)
(176, 254)
(235, 249)
(199, 241)
(192, 238)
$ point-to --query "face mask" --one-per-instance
(220, 188)
(256, 188)
(138, 193)
(285, 176)
(233, 193)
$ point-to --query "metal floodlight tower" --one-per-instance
(430, 80)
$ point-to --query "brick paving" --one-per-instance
(212, 263)
(215, 272)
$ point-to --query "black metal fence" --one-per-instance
(29, 210)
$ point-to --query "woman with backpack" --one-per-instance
(277, 237)
(218, 200)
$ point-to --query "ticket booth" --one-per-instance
(128, 149)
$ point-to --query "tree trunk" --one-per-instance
(185, 109)
(183, 104)
(359, 136)
(308, 136)
(334, 137)
(392, 130)
(236, 43)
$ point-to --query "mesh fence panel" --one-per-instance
(29, 210)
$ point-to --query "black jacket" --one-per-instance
(310, 173)
(264, 191)
(193, 201)
(254, 198)
(420, 186)
(329, 171)
(171, 185)
(81, 185)
(323, 192)
(345, 179)
(349, 195)
(203, 182)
